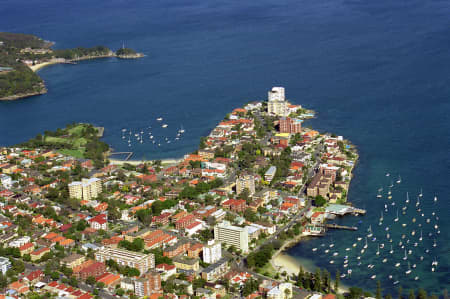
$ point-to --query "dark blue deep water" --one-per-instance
(377, 72)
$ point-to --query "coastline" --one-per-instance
(168, 161)
(281, 261)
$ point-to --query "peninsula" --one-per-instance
(258, 180)
(21, 55)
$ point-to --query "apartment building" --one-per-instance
(142, 262)
(245, 181)
(87, 189)
(232, 235)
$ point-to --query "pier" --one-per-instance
(336, 226)
(129, 154)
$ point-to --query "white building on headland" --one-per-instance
(277, 104)
(212, 252)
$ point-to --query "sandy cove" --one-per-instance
(283, 262)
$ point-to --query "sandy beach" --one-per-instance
(38, 66)
(137, 162)
(284, 262)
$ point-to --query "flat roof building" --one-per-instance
(142, 262)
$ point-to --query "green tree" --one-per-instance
(411, 294)
(336, 281)
(378, 295)
(91, 280)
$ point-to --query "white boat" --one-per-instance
(405, 257)
(397, 265)
(358, 257)
(378, 250)
(347, 249)
(396, 282)
(435, 198)
(391, 251)
(362, 251)
(407, 197)
(413, 233)
(396, 218)
(390, 276)
(373, 277)
(418, 202)
(354, 244)
(416, 278)
(410, 252)
(385, 260)
(407, 272)
(403, 224)
(343, 275)
(159, 119)
(165, 125)
(434, 244)
(388, 174)
(314, 249)
(370, 232)
(365, 245)
(381, 218)
(380, 189)
(359, 238)
(399, 179)
(336, 254)
(331, 262)
(421, 193)
(414, 266)
(327, 250)
(181, 130)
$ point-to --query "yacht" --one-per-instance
(314, 249)
(421, 193)
(378, 250)
(385, 260)
(327, 250)
(391, 251)
(397, 265)
(365, 245)
(159, 119)
(354, 244)
(381, 218)
(396, 218)
(399, 180)
(181, 130)
(165, 125)
(370, 232)
(407, 272)
(336, 254)
(435, 199)
(405, 257)
(416, 278)
(331, 262)
(373, 277)
(396, 282)
(407, 197)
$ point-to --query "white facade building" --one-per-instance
(212, 252)
(5, 264)
(86, 189)
(232, 235)
(277, 104)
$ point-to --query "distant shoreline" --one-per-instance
(168, 161)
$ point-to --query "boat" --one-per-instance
(396, 282)
(359, 238)
(390, 276)
(399, 180)
(159, 119)
(435, 262)
(354, 244)
(405, 257)
(165, 125)
(314, 249)
(397, 265)
(414, 266)
(336, 253)
(331, 262)
(416, 278)
(391, 251)
(373, 277)
(380, 189)
(388, 174)
(434, 244)
(418, 201)
(381, 218)
(407, 272)
(370, 232)
(435, 198)
(407, 197)
(365, 246)
(347, 249)
(421, 193)
(413, 233)
(385, 260)
(392, 184)
(327, 250)
(410, 252)
(396, 218)
(378, 250)
(403, 224)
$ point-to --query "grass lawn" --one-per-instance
(73, 153)
(51, 139)
(76, 130)
(268, 269)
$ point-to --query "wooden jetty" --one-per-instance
(336, 226)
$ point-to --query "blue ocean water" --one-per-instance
(376, 72)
